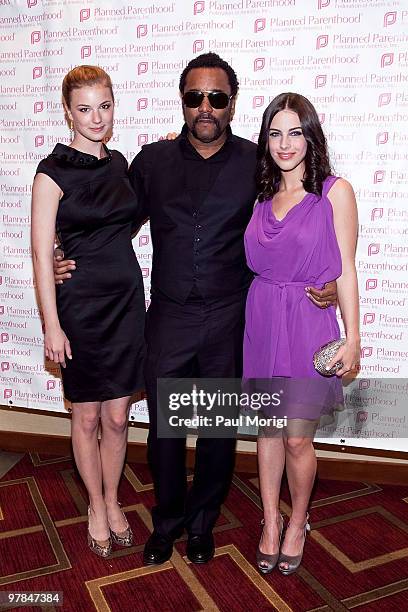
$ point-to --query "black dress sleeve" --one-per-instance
(122, 159)
(49, 167)
(139, 180)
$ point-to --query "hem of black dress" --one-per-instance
(107, 398)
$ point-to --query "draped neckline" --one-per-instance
(290, 211)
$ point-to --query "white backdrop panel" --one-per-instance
(349, 57)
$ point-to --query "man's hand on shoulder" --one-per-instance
(62, 267)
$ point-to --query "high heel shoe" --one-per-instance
(124, 538)
(293, 562)
(266, 563)
(102, 548)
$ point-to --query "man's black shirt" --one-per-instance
(198, 209)
(200, 172)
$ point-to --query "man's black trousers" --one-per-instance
(198, 339)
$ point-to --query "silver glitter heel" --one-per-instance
(124, 538)
(102, 548)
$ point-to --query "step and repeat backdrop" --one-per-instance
(349, 57)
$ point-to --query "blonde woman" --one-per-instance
(93, 324)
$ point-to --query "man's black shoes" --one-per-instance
(158, 549)
(200, 548)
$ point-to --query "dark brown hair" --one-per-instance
(317, 163)
(81, 76)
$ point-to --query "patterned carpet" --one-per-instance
(356, 557)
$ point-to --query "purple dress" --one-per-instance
(283, 327)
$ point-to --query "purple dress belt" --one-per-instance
(282, 336)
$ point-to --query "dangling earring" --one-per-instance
(71, 129)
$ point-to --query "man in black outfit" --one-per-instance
(198, 191)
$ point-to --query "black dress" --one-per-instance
(102, 307)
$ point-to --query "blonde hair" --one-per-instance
(81, 76)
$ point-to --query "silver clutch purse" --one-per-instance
(324, 354)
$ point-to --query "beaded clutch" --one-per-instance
(324, 354)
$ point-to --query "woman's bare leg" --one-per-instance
(271, 462)
(85, 424)
(301, 471)
(114, 417)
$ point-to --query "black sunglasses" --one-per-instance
(217, 99)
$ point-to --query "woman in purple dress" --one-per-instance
(302, 233)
